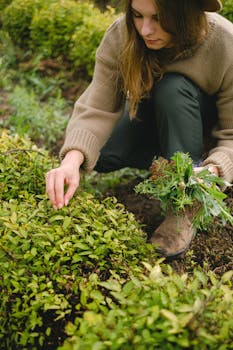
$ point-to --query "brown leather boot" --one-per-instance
(173, 237)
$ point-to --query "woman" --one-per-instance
(163, 80)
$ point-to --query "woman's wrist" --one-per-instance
(74, 157)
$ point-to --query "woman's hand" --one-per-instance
(66, 174)
(212, 168)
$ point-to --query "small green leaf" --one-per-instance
(111, 285)
(227, 276)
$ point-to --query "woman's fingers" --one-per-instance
(59, 181)
(50, 187)
(55, 187)
(55, 182)
(72, 187)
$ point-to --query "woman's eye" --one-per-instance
(137, 15)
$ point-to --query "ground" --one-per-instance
(211, 249)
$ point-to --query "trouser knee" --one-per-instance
(172, 92)
(176, 102)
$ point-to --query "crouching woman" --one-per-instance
(163, 82)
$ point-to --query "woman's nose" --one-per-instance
(147, 28)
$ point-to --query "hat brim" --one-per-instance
(212, 5)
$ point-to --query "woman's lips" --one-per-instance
(152, 41)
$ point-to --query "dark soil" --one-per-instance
(211, 249)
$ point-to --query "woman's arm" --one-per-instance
(98, 109)
(94, 117)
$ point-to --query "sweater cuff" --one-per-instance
(86, 143)
(223, 163)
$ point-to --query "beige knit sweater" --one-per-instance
(99, 108)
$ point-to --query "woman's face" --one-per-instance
(146, 20)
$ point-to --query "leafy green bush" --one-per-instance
(227, 10)
(44, 123)
(52, 262)
(67, 28)
(85, 275)
(4, 3)
(87, 37)
(161, 311)
(22, 167)
(16, 19)
(53, 26)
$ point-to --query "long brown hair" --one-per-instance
(183, 19)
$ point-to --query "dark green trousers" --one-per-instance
(178, 116)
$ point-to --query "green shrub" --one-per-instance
(4, 3)
(68, 28)
(53, 26)
(22, 167)
(86, 39)
(52, 262)
(161, 311)
(16, 19)
(227, 10)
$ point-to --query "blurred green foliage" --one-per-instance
(227, 10)
(58, 28)
(4, 3)
(53, 26)
(87, 37)
(17, 17)
(66, 28)
(44, 122)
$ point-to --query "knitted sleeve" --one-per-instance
(222, 155)
(100, 106)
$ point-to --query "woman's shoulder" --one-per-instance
(219, 41)
(113, 39)
(221, 25)
(118, 25)
(117, 31)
